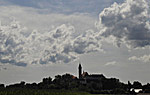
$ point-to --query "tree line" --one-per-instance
(68, 82)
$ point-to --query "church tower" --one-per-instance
(80, 71)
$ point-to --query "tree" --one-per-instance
(47, 80)
(137, 85)
(22, 84)
(129, 85)
(2, 85)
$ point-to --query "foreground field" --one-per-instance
(42, 92)
(39, 92)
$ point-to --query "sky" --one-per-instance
(42, 38)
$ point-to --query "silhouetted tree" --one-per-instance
(137, 85)
(129, 85)
(146, 88)
(71, 83)
(2, 85)
(47, 80)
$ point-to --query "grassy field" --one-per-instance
(107, 94)
(39, 92)
(43, 92)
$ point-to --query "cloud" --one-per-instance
(34, 18)
(29, 37)
(126, 23)
(65, 6)
(144, 58)
(111, 63)
(2, 68)
(58, 45)
(11, 44)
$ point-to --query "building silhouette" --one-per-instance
(80, 71)
(85, 77)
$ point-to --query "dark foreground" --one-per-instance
(45, 92)
(39, 92)
(69, 85)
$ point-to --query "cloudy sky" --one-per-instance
(41, 38)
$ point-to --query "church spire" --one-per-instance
(80, 71)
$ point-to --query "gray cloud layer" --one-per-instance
(127, 23)
(63, 6)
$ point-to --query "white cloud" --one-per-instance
(127, 23)
(34, 18)
(144, 58)
(58, 45)
(45, 38)
(11, 44)
(111, 63)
